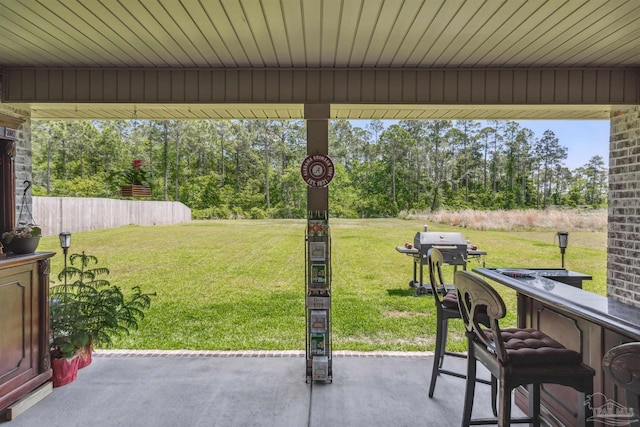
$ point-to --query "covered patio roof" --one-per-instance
(568, 45)
(61, 111)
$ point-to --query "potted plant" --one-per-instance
(134, 182)
(23, 239)
(88, 311)
(69, 336)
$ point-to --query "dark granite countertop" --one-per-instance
(604, 311)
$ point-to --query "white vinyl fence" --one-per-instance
(57, 214)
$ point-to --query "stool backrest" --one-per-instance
(435, 261)
(622, 364)
(474, 297)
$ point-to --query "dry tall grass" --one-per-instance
(530, 219)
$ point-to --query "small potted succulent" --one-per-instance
(23, 239)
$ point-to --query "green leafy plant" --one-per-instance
(135, 175)
(67, 328)
(88, 310)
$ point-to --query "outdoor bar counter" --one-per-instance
(581, 320)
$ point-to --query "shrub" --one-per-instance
(568, 219)
(87, 309)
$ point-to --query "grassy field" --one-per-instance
(234, 285)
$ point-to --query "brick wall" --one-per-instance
(23, 159)
(623, 240)
(23, 169)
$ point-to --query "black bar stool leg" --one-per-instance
(494, 395)
(469, 390)
(534, 404)
(504, 407)
(437, 356)
(443, 338)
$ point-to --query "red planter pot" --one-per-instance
(84, 358)
(64, 370)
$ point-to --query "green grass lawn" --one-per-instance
(235, 285)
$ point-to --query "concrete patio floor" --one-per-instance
(124, 388)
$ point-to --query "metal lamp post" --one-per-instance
(563, 241)
(65, 242)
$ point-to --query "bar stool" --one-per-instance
(622, 364)
(446, 302)
(516, 357)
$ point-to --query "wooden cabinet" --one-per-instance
(24, 325)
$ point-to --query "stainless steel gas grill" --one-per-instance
(452, 245)
(454, 248)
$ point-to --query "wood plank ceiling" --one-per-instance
(319, 34)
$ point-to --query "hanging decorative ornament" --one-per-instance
(317, 170)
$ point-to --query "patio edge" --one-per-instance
(253, 353)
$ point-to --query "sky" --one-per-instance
(583, 138)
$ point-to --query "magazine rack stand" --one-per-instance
(318, 298)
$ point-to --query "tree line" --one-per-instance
(251, 168)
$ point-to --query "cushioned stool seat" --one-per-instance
(450, 300)
(531, 347)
